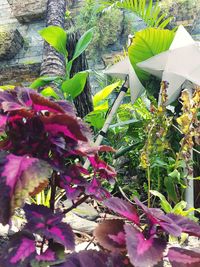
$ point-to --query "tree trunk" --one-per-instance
(53, 62)
(83, 102)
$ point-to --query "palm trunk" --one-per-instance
(53, 62)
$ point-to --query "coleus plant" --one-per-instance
(143, 240)
(42, 145)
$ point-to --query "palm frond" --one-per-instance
(149, 12)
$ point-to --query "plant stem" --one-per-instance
(149, 186)
(53, 190)
(80, 201)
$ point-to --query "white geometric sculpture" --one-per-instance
(121, 70)
(176, 65)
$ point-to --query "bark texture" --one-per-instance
(83, 102)
(54, 63)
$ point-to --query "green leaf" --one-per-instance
(175, 175)
(75, 85)
(105, 92)
(7, 87)
(96, 119)
(56, 37)
(163, 202)
(170, 187)
(103, 107)
(148, 11)
(148, 43)
(49, 92)
(83, 43)
(42, 81)
(179, 207)
(159, 163)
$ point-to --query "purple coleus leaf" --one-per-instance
(48, 256)
(42, 220)
(20, 177)
(187, 226)
(63, 124)
(157, 217)
(102, 169)
(141, 251)
(32, 120)
(110, 235)
(123, 208)
(180, 257)
(53, 255)
(95, 189)
(21, 251)
(72, 180)
(92, 258)
(3, 120)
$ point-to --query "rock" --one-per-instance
(84, 245)
(84, 210)
(79, 224)
(11, 42)
(4, 230)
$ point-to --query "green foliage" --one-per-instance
(49, 92)
(100, 102)
(71, 88)
(107, 28)
(150, 13)
(148, 43)
(81, 46)
(104, 93)
(180, 208)
(74, 86)
(56, 37)
(42, 81)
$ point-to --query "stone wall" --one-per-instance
(21, 47)
(28, 11)
(185, 12)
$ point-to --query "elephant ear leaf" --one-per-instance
(146, 44)
(21, 176)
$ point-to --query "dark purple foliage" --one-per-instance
(110, 235)
(143, 252)
(92, 258)
(39, 128)
(187, 226)
(157, 217)
(123, 208)
(21, 251)
(95, 189)
(41, 220)
(20, 177)
(144, 239)
(180, 257)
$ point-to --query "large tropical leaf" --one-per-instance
(150, 13)
(148, 43)
(56, 37)
(104, 93)
(76, 84)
